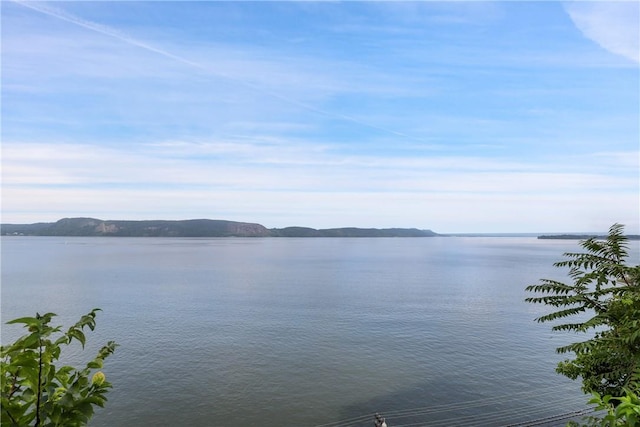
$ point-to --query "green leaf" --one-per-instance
(77, 334)
(85, 408)
(95, 364)
(26, 320)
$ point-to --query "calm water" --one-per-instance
(304, 332)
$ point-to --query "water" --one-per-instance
(304, 332)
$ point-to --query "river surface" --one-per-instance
(304, 332)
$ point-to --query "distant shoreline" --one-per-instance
(582, 237)
(92, 227)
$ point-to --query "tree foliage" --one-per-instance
(34, 391)
(604, 301)
(618, 411)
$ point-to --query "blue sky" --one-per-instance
(452, 116)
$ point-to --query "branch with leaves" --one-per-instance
(34, 391)
(605, 293)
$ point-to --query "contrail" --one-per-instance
(112, 32)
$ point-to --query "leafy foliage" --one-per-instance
(606, 292)
(620, 411)
(35, 392)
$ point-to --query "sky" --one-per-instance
(450, 116)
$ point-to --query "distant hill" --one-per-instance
(97, 227)
(350, 232)
(192, 228)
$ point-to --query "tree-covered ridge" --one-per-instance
(193, 228)
(350, 232)
(97, 227)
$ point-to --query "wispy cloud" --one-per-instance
(249, 166)
(454, 117)
(614, 25)
(440, 211)
(207, 69)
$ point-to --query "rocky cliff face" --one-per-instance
(247, 229)
(105, 228)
